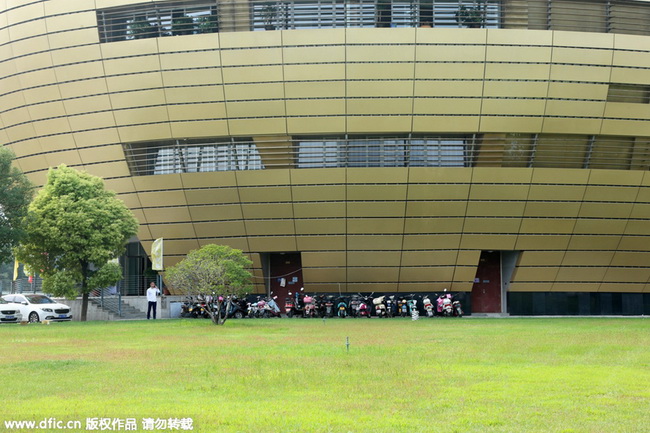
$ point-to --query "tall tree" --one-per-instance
(216, 273)
(16, 192)
(75, 228)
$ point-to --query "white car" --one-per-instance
(35, 308)
(9, 313)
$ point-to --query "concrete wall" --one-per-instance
(96, 313)
(165, 305)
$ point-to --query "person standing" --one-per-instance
(152, 298)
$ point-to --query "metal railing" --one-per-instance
(629, 93)
(130, 286)
(21, 285)
(109, 299)
(177, 156)
(175, 18)
(471, 150)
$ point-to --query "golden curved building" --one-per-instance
(496, 148)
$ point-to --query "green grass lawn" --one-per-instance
(282, 375)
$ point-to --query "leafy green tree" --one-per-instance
(471, 16)
(210, 272)
(16, 192)
(208, 23)
(75, 228)
(141, 28)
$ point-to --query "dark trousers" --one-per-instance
(152, 306)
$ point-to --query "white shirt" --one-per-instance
(152, 292)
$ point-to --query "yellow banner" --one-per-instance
(157, 255)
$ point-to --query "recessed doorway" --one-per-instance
(284, 274)
(493, 274)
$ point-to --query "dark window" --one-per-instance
(631, 93)
(152, 20)
(368, 151)
(192, 156)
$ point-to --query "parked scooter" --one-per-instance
(391, 308)
(328, 306)
(355, 301)
(402, 307)
(458, 310)
(310, 306)
(413, 308)
(297, 309)
(261, 307)
(255, 307)
(364, 307)
(444, 304)
(236, 311)
(342, 309)
(456, 306)
(243, 306)
(380, 307)
(318, 305)
(269, 308)
(439, 303)
(289, 306)
(428, 306)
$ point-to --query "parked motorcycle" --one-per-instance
(186, 307)
(199, 309)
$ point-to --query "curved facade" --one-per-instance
(363, 156)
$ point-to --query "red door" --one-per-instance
(286, 275)
(486, 292)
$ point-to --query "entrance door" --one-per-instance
(286, 275)
(486, 292)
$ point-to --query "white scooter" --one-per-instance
(428, 306)
(380, 307)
